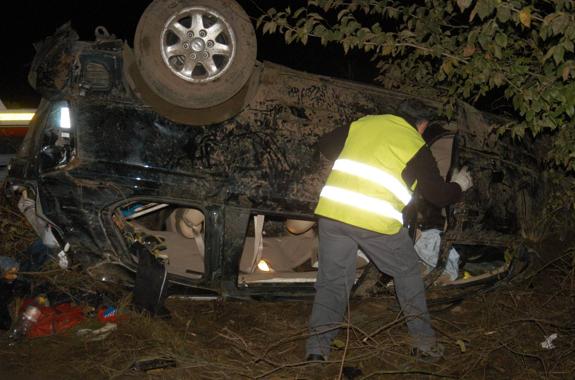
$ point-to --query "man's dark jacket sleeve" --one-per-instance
(423, 168)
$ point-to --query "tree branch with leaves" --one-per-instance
(520, 51)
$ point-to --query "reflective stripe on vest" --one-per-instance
(365, 187)
(361, 202)
(378, 176)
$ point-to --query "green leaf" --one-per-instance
(387, 48)
(484, 8)
(501, 39)
(484, 40)
(503, 13)
(558, 54)
(560, 23)
(549, 53)
(498, 79)
(497, 52)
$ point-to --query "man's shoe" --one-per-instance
(315, 358)
(429, 355)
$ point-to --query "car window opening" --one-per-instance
(282, 250)
(168, 231)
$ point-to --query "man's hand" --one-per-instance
(462, 178)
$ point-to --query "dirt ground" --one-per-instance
(493, 336)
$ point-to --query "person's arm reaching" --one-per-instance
(423, 168)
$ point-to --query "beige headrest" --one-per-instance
(296, 226)
(192, 217)
(189, 222)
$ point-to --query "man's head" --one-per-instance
(416, 113)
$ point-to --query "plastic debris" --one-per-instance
(63, 258)
(548, 342)
(110, 314)
(28, 319)
(427, 248)
(94, 335)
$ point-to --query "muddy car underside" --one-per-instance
(230, 205)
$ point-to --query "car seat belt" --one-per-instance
(258, 240)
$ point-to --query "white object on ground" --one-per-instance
(99, 334)
(63, 258)
(548, 342)
(427, 248)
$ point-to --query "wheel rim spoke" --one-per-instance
(174, 50)
(210, 66)
(197, 22)
(188, 68)
(179, 30)
(215, 30)
(221, 49)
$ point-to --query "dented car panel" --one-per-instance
(118, 152)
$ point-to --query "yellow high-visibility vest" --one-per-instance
(365, 188)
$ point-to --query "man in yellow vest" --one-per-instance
(383, 160)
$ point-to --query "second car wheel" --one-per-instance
(195, 53)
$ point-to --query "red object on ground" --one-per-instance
(54, 319)
(107, 314)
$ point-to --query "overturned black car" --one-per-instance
(189, 152)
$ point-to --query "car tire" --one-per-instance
(195, 53)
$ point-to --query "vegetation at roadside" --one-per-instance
(518, 55)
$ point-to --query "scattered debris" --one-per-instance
(8, 268)
(146, 365)
(28, 319)
(108, 314)
(338, 344)
(63, 258)
(461, 345)
(93, 335)
(548, 342)
(427, 248)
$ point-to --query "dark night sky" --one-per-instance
(29, 21)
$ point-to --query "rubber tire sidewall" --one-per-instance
(166, 84)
